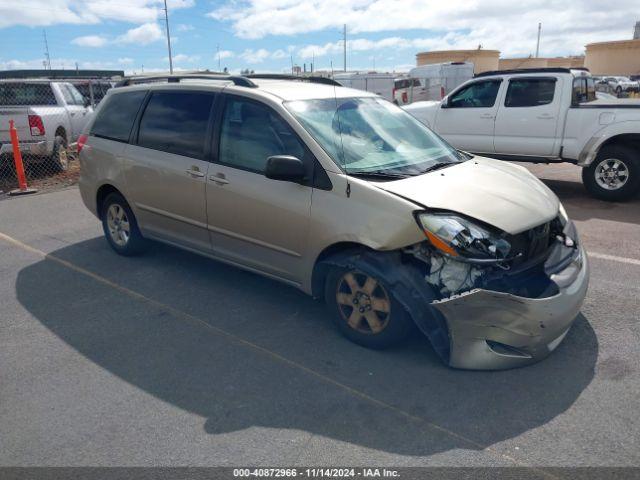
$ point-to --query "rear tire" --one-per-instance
(365, 310)
(59, 159)
(120, 226)
(614, 175)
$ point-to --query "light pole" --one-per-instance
(166, 19)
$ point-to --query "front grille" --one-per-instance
(533, 243)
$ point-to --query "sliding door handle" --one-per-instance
(194, 172)
(219, 178)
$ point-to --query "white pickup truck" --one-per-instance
(48, 116)
(544, 115)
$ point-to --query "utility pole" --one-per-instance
(166, 19)
(46, 49)
(538, 44)
(344, 41)
(218, 51)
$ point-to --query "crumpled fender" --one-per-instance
(407, 285)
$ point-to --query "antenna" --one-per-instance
(166, 19)
(538, 44)
(344, 41)
(46, 49)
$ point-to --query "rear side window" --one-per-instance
(16, 94)
(584, 90)
(531, 92)
(476, 95)
(115, 119)
(176, 122)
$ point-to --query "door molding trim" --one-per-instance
(172, 216)
(260, 243)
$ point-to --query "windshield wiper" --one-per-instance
(437, 166)
(377, 174)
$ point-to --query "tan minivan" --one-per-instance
(347, 197)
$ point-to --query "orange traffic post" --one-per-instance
(17, 158)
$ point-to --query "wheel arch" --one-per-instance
(61, 132)
(629, 137)
(102, 193)
(321, 269)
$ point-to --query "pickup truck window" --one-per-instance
(584, 90)
(530, 92)
(115, 119)
(71, 95)
(476, 95)
(27, 94)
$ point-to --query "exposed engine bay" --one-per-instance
(525, 273)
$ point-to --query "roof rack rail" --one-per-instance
(235, 79)
(280, 76)
(528, 70)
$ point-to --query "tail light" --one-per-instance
(82, 139)
(393, 93)
(405, 98)
(441, 93)
(36, 126)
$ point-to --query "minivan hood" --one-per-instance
(499, 193)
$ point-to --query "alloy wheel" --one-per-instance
(118, 223)
(611, 174)
(363, 303)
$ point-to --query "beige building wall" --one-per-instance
(621, 57)
(566, 62)
(483, 60)
(527, 62)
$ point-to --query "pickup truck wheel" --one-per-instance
(364, 309)
(120, 226)
(614, 174)
(59, 159)
(618, 91)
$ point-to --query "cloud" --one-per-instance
(83, 12)
(90, 41)
(125, 61)
(222, 54)
(505, 25)
(184, 27)
(142, 35)
(255, 56)
(182, 58)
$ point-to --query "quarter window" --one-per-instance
(115, 119)
(530, 92)
(176, 122)
(476, 95)
(251, 133)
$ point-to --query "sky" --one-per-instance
(268, 35)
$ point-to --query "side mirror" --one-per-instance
(86, 102)
(286, 168)
(445, 103)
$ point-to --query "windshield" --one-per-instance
(366, 135)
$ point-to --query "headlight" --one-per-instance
(458, 237)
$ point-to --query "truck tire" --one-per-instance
(365, 310)
(618, 91)
(614, 175)
(59, 159)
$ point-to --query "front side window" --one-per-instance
(76, 96)
(476, 95)
(176, 122)
(115, 119)
(531, 92)
(370, 135)
(251, 133)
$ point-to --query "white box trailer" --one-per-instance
(381, 84)
(439, 79)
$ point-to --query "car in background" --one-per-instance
(621, 84)
(48, 116)
(439, 79)
(408, 90)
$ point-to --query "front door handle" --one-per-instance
(219, 178)
(546, 116)
(195, 172)
(486, 115)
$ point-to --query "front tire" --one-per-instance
(120, 226)
(365, 310)
(614, 175)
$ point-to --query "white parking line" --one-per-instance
(613, 258)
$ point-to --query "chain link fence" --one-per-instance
(48, 117)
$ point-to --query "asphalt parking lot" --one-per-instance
(174, 359)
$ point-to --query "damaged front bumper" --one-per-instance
(491, 330)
